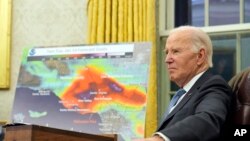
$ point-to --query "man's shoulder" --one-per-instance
(209, 76)
(213, 80)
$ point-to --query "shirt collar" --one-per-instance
(188, 86)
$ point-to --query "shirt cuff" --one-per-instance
(165, 138)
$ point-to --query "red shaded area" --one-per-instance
(140, 130)
(95, 89)
(86, 55)
(76, 55)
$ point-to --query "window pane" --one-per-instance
(197, 13)
(189, 12)
(222, 12)
(247, 11)
(182, 12)
(174, 87)
(245, 50)
(224, 55)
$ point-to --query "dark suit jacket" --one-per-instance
(202, 113)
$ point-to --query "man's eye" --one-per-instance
(166, 52)
(175, 51)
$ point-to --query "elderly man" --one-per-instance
(200, 109)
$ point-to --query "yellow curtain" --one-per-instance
(111, 21)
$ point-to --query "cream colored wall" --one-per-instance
(42, 23)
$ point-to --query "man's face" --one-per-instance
(181, 60)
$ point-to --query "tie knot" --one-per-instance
(176, 97)
(180, 92)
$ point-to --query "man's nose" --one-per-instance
(168, 58)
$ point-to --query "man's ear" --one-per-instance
(201, 56)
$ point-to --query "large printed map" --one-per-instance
(98, 89)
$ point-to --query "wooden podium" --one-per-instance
(40, 133)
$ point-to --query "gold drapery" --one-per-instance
(5, 43)
(112, 21)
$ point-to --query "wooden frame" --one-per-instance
(5, 36)
(40, 133)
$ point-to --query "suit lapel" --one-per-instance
(177, 108)
(187, 96)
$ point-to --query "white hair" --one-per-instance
(199, 39)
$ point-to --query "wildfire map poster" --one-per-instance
(97, 89)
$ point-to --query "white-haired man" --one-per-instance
(202, 110)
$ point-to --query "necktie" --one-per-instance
(173, 101)
(175, 98)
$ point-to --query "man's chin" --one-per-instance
(172, 78)
(171, 71)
